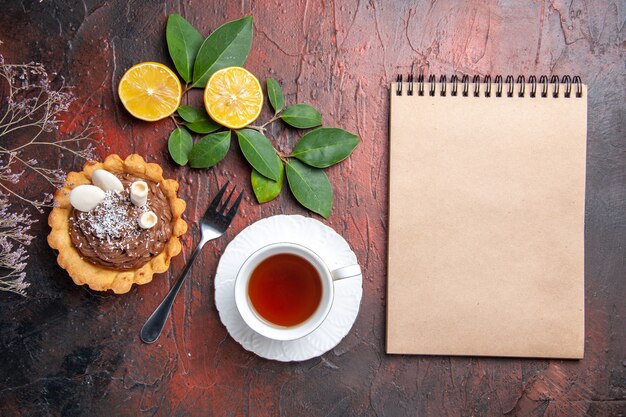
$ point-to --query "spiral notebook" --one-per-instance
(486, 217)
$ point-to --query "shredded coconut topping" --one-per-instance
(114, 219)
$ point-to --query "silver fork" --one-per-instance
(212, 225)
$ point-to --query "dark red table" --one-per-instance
(69, 351)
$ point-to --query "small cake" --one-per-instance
(116, 223)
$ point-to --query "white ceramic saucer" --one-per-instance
(323, 240)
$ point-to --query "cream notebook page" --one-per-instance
(486, 224)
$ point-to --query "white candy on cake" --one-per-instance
(106, 181)
(139, 193)
(148, 219)
(86, 197)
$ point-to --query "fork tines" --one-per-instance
(217, 198)
(233, 210)
(225, 204)
(213, 207)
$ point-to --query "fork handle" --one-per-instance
(151, 331)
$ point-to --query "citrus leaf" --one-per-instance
(310, 186)
(275, 94)
(179, 145)
(227, 46)
(183, 42)
(265, 189)
(204, 126)
(260, 153)
(210, 150)
(191, 115)
(301, 116)
(325, 146)
(198, 120)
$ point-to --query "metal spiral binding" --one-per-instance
(465, 81)
(420, 84)
(555, 82)
(476, 82)
(432, 80)
(544, 80)
(521, 80)
(568, 85)
(579, 86)
(486, 81)
(511, 83)
(399, 85)
(532, 80)
(499, 83)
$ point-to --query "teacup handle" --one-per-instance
(346, 272)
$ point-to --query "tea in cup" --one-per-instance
(284, 291)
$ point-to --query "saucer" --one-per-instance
(318, 237)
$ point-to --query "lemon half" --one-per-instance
(150, 91)
(233, 97)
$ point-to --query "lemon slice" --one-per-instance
(150, 91)
(233, 97)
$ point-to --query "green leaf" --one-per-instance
(198, 120)
(301, 116)
(210, 150)
(275, 94)
(227, 46)
(204, 126)
(310, 186)
(265, 189)
(325, 146)
(260, 153)
(183, 42)
(191, 115)
(179, 145)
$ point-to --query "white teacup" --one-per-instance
(327, 277)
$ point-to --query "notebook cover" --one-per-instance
(486, 225)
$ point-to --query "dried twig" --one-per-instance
(30, 110)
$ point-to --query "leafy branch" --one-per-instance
(196, 59)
